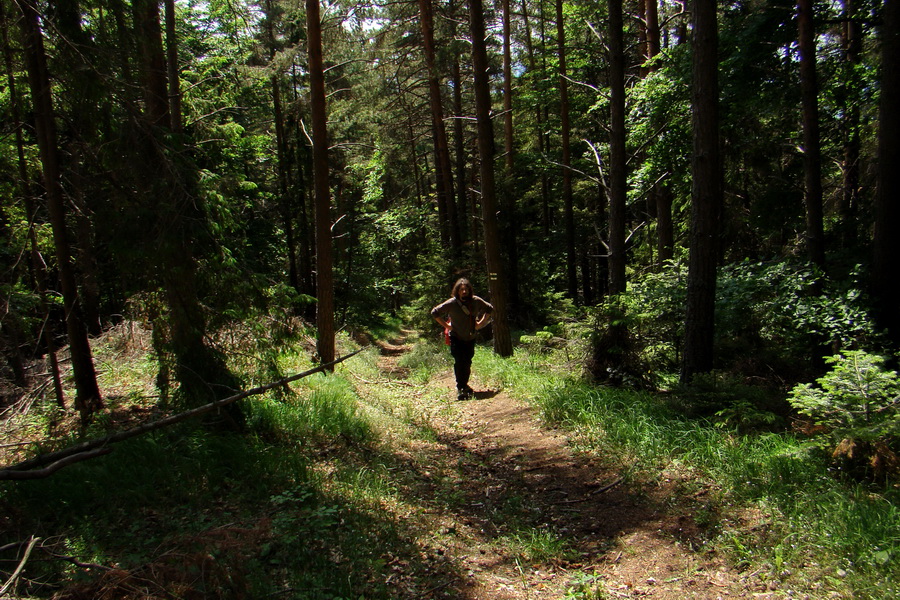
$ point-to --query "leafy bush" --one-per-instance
(767, 315)
(790, 305)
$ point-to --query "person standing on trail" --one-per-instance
(461, 316)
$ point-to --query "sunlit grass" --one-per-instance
(425, 359)
(817, 526)
(329, 473)
(536, 545)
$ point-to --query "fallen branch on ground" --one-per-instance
(32, 468)
(18, 571)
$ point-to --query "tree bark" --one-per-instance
(443, 167)
(812, 153)
(153, 61)
(324, 265)
(496, 275)
(851, 40)
(87, 392)
(617, 169)
(510, 221)
(175, 115)
(539, 120)
(706, 196)
(466, 227)
(569, 209)
(886, 285)
(39, 268)
(661, 194)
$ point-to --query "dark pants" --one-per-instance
(462, 352)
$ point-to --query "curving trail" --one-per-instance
(515, 513)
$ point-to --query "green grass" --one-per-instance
(815, 527)
(314, 501)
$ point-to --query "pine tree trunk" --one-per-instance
(851, 40)
(324, 265)
(87, 392)
(706, 196)
(617, 158)
(886, 284)
(539, 121)
(496, 275)
(172, 69)
(443, 168)
(812, 154)
(465, 226)
(569, 209)
(510, 221)
(153, 62)
(38, 267)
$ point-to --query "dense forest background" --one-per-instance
(706, 187)
(697, 200)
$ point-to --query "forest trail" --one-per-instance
(518, 487)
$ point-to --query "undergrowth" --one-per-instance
(810, 528)
(315, 499)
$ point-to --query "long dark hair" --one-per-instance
(459, 283)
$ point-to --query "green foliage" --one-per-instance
(857, 398)
(731, 403)
(769, 315)
(792, 305)
(586, 587)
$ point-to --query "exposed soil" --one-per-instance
(512, 477)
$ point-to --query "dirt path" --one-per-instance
(525, 517)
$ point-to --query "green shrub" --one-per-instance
(858, 398)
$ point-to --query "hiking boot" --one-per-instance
(461, 394)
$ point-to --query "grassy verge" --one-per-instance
(768, 499)
(303, 504)
(330, 492)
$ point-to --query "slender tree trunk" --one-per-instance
(282, 163)
(661, 194)
(172, 72)
(324, 266)
(302, 190)
(39, 268)
(851, 39)
(443, 168)
(886, 284)
(651, 15)
(665, 230)
(123, 41)
(496, 275)
(153, 61)
(87, 392)
(812, 154)
(569, 209)
(466, 228)
(617, 169)
(510, 224)
(706, 196)
(539, 120)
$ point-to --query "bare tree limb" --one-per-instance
(28, 469)
(15, 575)
(56, 466)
